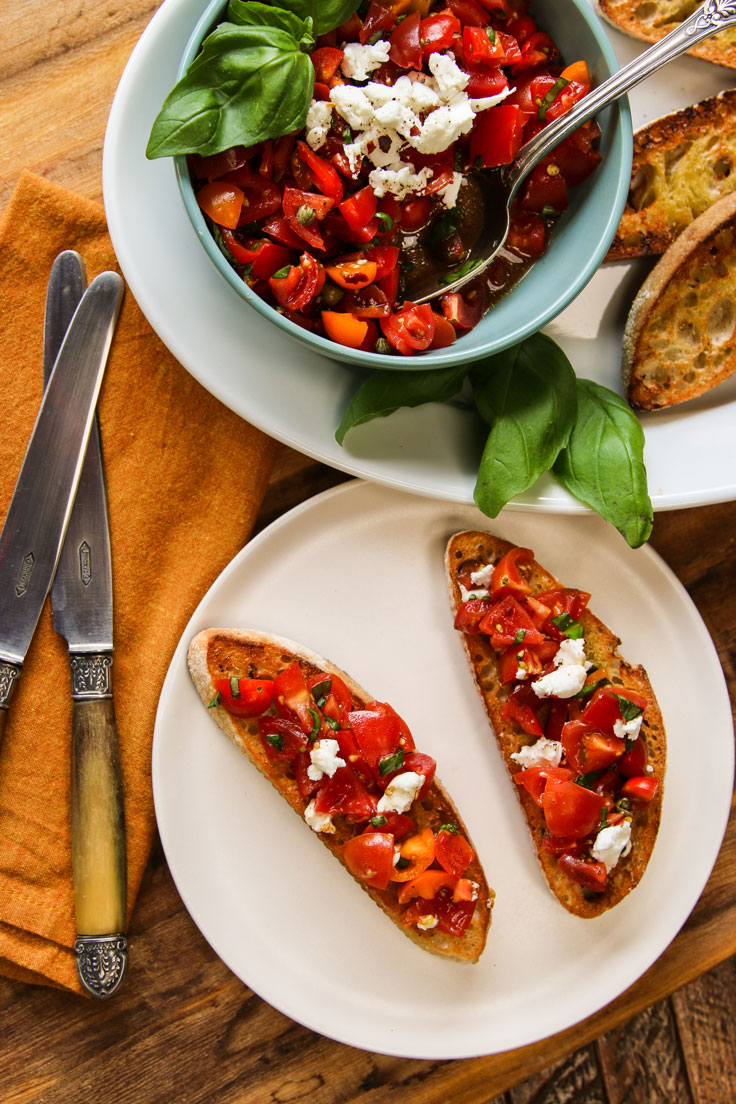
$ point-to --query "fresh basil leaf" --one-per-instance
(389, 763)
(384, 392)
(449, 828)
(377, 821)
(603, 463)
(588, 780)
(216, 700)
(588, 690)
(276, 739)
(568, 625)
(527, 396)
(628, 709)
(326, 14)
(246, 84)
(249, 13)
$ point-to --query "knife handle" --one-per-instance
(98, 846)
(9, 675)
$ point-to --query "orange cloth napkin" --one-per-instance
(185, 481)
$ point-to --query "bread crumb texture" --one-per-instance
(683, 163)
(679, 340)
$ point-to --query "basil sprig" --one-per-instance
(251, 80)
(541, 418)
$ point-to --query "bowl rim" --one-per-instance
(621, 131)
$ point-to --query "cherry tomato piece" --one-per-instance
(452, 851)
(587, 873)
(221, 202)
(370, 857)
(570, 810)
(245, 697)
(641, 789)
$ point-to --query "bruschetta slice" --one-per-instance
(348, 766)
(579, 728)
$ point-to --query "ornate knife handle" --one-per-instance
(9, 675)
(98, 829)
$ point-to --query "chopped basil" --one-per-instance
(568, 625)
(491, 35)
(378, 821)
(448, 828)
(550, 98)
(463, 270)
(282, 272)
(333, 724)
(216, 700)
(316, 724)
(604, 816)
(444, 227)
(234, 687)
(519, 638)
(588, 780)
(588, 690)
(628, 708)
(321, 690)
(375, 37)
(276, 739)
(387, 223)
(388, 763)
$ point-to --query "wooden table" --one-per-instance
(183, 1028)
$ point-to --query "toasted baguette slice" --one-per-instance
(601, 648)
(682, 164)
(679, 336)
(224, 653)
(653, 19)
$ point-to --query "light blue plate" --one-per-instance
(578, 244)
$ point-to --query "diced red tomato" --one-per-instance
(278, 228)
(264, 257)
(399, 825)
(245, 697)
(437, 32)
(216, 165)
(282, 737)
(295, 205)
(300, 284)
(527, 235)
(360, 208)
(380, 17)
(521, 707)
(385, 258)
(368, 302)
(470, 614)
(323, 173)
(545, 190)
(406, 48)
(604, 707)
(377, 734)
(641, 789)
(427, 885)
(292, 698)
(345, 794)
(588, 749)
(497, 135)
(507, 622)
(534, 778)
(406, 740)
(635, 761)
(570, 810)
(306, 786)
(326, 61)
(353, 272)
(461, 311)
(261, 197)
(452, 851)
(333, 694)
(410, 329)
(586, 872)
(345, 328)
(369, 856)
(508, 578)
(469, 12)
(416, 213)
(444, 332)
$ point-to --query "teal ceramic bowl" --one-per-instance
(578, 243)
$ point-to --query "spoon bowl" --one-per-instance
(500, 184)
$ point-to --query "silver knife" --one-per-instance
(81, 602)
(39, 511)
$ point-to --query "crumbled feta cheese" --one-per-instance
(400, 182)
(359, 61)
(400, 793)
(544, 751)
(318, 822)
(475, 891)
(324, 759)
(628, 730)
(569, 675)
(480, 579)
(319, 117)
(611, 844)
(448, 75)
(490, 101)
(353, 104)
(426, 923)
(449, 193)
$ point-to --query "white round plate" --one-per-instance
(357, 575)
(299, 397)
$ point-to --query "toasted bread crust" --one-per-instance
(653, 20)
(222, 653)
(679, 336)
(683, 163)
(601, 647)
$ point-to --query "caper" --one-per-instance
(305, 215)
(383, 345)
(331, 295)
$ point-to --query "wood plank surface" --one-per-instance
(183, 1028)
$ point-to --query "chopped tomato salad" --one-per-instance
(584, 761)
(332, 225)
(361, 782)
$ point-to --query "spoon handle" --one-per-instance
(711, 17)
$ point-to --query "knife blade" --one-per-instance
(39, 511)
(81, 604)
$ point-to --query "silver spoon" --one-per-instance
(499, 185)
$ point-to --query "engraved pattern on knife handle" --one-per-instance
(9, 675)
(98, 829)
(91, 676)
(101, 963)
